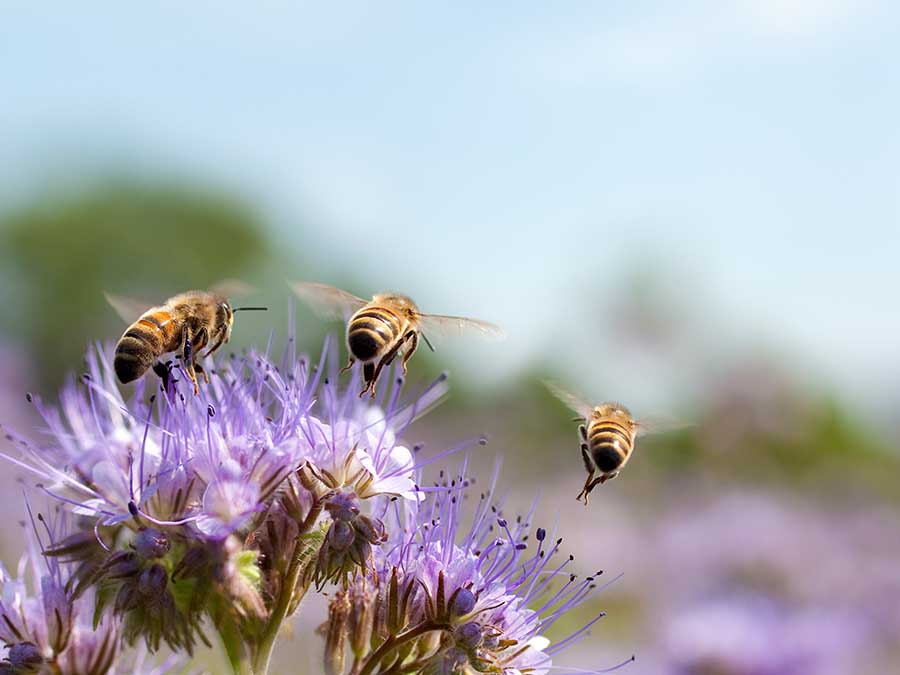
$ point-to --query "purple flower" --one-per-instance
(187, 502)
(223, 508)
(755, 635)
(214, 462)
(470, 595)
(43, 625)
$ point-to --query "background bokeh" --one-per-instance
(691, 208)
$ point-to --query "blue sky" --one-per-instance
(745, 152)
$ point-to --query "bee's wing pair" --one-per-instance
(131, 309)
(333, 303)
(327, 301)
(654, 424)
(573, 402)
(659, 424)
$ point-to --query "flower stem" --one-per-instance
(235, 648)
(291, 595)
(396, 641)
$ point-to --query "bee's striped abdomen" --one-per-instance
(371, 331)
(145, 341)
(610, 443)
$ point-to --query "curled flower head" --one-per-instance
(453, 595)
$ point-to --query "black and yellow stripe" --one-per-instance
(145, 341)
(610, 443)
(371, 332)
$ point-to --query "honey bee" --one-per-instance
(380, 329)
(608, 432)
(185, 324)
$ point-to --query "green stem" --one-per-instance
(396, 641)
(235, 648)
(290, 595)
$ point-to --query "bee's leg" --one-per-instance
(585, 491)
(164, 372)
(589, 467)
(349, 365)
(369, 378)
(586, 458)
(218, 344)
(386, 361)
(200, 369)
(608, 476)
(582, 430)
(201, 339)
(589, 486)
(376, 372)
(413, 339)
(187, 355)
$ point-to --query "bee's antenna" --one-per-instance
(426, 341)
(250, 309)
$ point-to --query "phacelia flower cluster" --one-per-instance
(458, 593)
(220, 511)
(47, 628)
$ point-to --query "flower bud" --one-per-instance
(127, 598)
(122, 565)
(370, 528)
(195, 563)
(469, 635)
(58, 612)
(343, 506)
(336, 634)
(360, 551)
(153, 582)
(150, 543)
(492, 639)
(361, 618)
(449, 662)
(25, 657)
(341, 536)
(462, 602)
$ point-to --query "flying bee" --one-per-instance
(608, 432)
(185, 324)
(380, 329)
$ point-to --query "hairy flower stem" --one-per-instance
(235, 648)
(397, 641)
(291, 594)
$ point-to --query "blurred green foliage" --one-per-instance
(60, 255)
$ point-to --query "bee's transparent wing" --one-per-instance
(570, 399)
(659, 424)
(435, 327)
(129, 309)
(232, 288)
(327, 301)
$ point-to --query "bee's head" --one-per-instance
(224, 319)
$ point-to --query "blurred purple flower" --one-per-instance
(754, 635)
